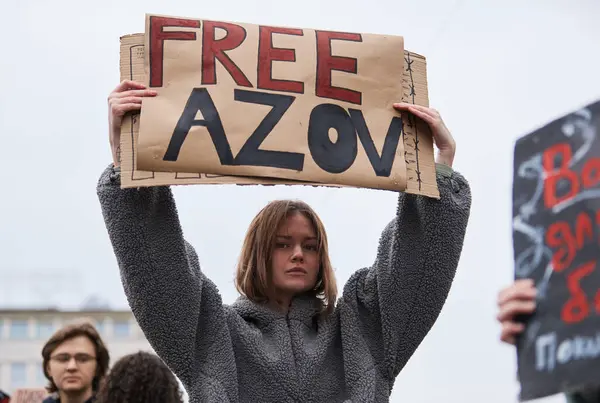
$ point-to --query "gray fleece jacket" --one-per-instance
(246, 352)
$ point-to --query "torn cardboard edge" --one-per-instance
(417, 137)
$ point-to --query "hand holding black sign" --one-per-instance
(556, 231)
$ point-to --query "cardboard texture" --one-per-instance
(418, 139)
(415, 173)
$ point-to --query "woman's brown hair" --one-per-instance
(70, 331)
(253, 276)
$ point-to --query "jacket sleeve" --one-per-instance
(177, 307)
(390, 307)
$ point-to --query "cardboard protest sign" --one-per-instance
(556, 235)
(290, 103)
(29, 396)
(416, 137)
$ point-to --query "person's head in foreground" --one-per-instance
(75, 360)
(285, 254)
(140, 377)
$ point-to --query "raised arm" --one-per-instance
(391, 306)
(178, 308)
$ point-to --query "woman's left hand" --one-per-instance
(441, 135)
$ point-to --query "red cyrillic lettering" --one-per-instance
(559, 236)
(577, 308)
(554, 176)
(591, 173)
(583, 229)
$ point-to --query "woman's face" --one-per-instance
(295, 259)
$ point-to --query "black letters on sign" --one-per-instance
(200, 100)
(339, 156)
(381, 165)
(249, 153)
(332, 157)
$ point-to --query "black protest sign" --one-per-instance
(556, 235)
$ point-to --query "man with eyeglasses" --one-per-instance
(75, 360)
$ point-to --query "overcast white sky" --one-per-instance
(497, 69)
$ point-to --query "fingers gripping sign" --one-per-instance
(126, 97)
(441, 135)
(517, 299)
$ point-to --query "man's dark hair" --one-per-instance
(141, 377)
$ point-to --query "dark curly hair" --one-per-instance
(140, 377)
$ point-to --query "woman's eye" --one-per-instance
(281, 245)
(311, 247)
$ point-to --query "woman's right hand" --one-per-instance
(125, 98)
(516, 299)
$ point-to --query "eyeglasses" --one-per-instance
(80, 358)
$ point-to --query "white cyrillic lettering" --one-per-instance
(545, 361)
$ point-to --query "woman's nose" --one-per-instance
(298, 253)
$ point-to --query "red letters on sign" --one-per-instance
(267, 54)
(577, 307)
(567, 243)
(559, 235)
(157, 39)
(563, 172)
(590, 174)
(326, 62)
(214, 49)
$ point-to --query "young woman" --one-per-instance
(140, 378)
(287, 338)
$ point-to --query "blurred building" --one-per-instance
(23, 333)
(31, 311)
